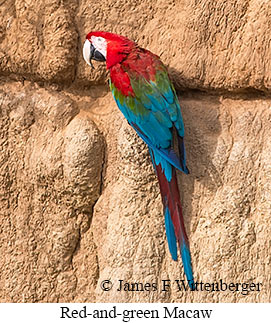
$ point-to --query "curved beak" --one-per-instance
(90, 52)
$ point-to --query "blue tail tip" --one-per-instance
(191, 284)
(186, 258)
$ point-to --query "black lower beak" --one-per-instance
(96, 55)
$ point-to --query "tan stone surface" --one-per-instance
(51, 162)
(220, 44)
(79, 199)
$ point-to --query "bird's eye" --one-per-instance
(99, 39)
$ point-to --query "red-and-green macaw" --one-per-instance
(142, 89)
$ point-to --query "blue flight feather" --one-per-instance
(168, 154)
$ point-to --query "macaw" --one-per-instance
(141, 87)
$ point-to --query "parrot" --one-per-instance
(144, 93)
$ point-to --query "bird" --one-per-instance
(144, 93)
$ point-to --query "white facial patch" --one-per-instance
(100, 44)
(86, 51)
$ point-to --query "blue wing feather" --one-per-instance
(160, 112)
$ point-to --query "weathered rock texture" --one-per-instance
(79, 199)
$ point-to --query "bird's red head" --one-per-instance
(105, 46)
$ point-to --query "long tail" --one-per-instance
(174, 222)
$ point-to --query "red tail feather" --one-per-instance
(174, 221)
(171, 199)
